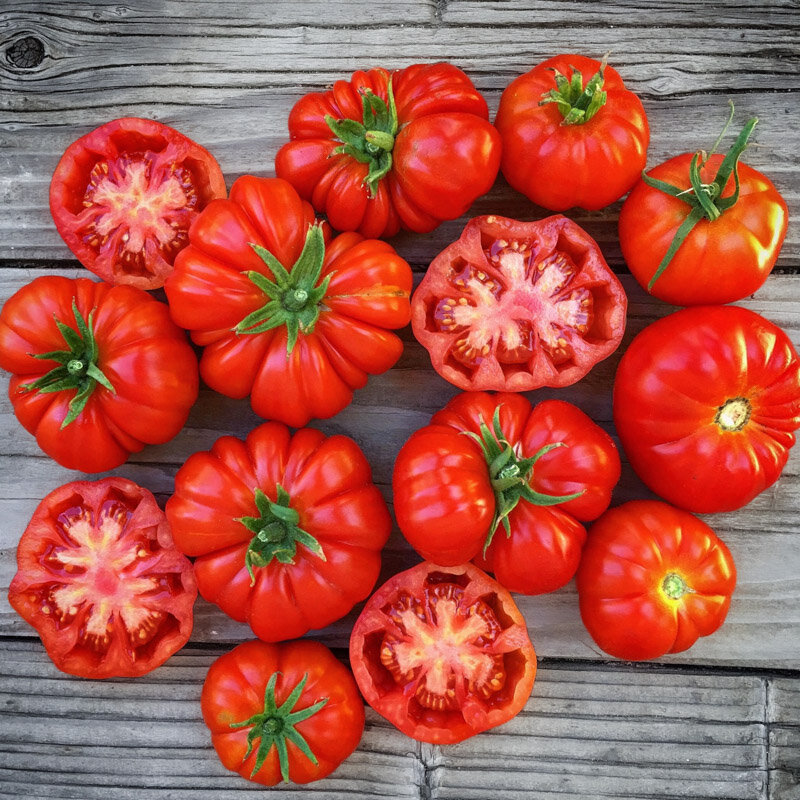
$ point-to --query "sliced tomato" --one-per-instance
(123, 197)
(443, 653)
(515, 306)
(101, 580)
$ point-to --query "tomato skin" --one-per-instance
(330, 485)
(496, 318)
(104, 210)
(398, 701)
(142, 352)
(446, 152)
(124, 562)
(559, 166)
(671, 387)
(445, 503)
(234, 691)
(209, 293)
(631, 550)
(719, 262)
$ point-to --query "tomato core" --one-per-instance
(733, 414)
(674, 586)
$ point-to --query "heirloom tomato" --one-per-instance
(98, 371)
(285, 314)
(706, 402)
(276, 712)
(573, 135)
(652, 580)
(102, 582)
(703, 229)
(123, 198)
(494, 480)
(443, 653)
(516, 306)
(389, 150)
(286, 530)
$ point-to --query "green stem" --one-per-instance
(577, 104)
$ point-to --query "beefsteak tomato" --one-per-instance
(285, 314)
(389, 150)
(101, 581)
(282, 712)
(652, 580)
(443, 653)
(99, 371)
(573, 135)
(286, 530)
(706, 402)
(702, 229)
(515, 306)
(123, 197)
(487, 461)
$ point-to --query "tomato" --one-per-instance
(275, 302)
(516, 306)
(288, 712)
(573, 135)
(389, 150)
(495, 480)
(699, 230)
(443, 653)
(652, 580)
(706, 402)
(101, 581)
(98, 370)
(123, 197)
(286, 530)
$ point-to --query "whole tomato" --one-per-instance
(123, 197)
(703, 229)
(276, 302)
(99, 371)
(286, 530)
(443, 653)
(573, 135)
(389, 150)
(287, 712)
(494, 480)
(101, 581)
(515, 306)
(706, 402)
(652, 580)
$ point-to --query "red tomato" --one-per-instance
(706, 402)
(494, 480)
(516, 306)
(102, 582)
(123, 197)
(732, 243)
(275, 303)
(652, 580)
(288, 712)
(390, 150)
(98, 370)
(573, 135)
(286, 530)
(443, 653)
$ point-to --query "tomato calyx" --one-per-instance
(294, 297)
(276, 724)
(277, 532)
(733, 414)
(370, 141)
(675, 587)
(511, 475)
(78, 365)
(704, 199)
(577, 104)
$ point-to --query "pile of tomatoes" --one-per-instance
(285, 528)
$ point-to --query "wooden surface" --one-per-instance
(721, 720)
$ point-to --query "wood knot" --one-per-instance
(26, 52)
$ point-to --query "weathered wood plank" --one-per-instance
(783, 715)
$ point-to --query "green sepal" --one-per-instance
(576, 103)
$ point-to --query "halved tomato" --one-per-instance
(514, 306)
